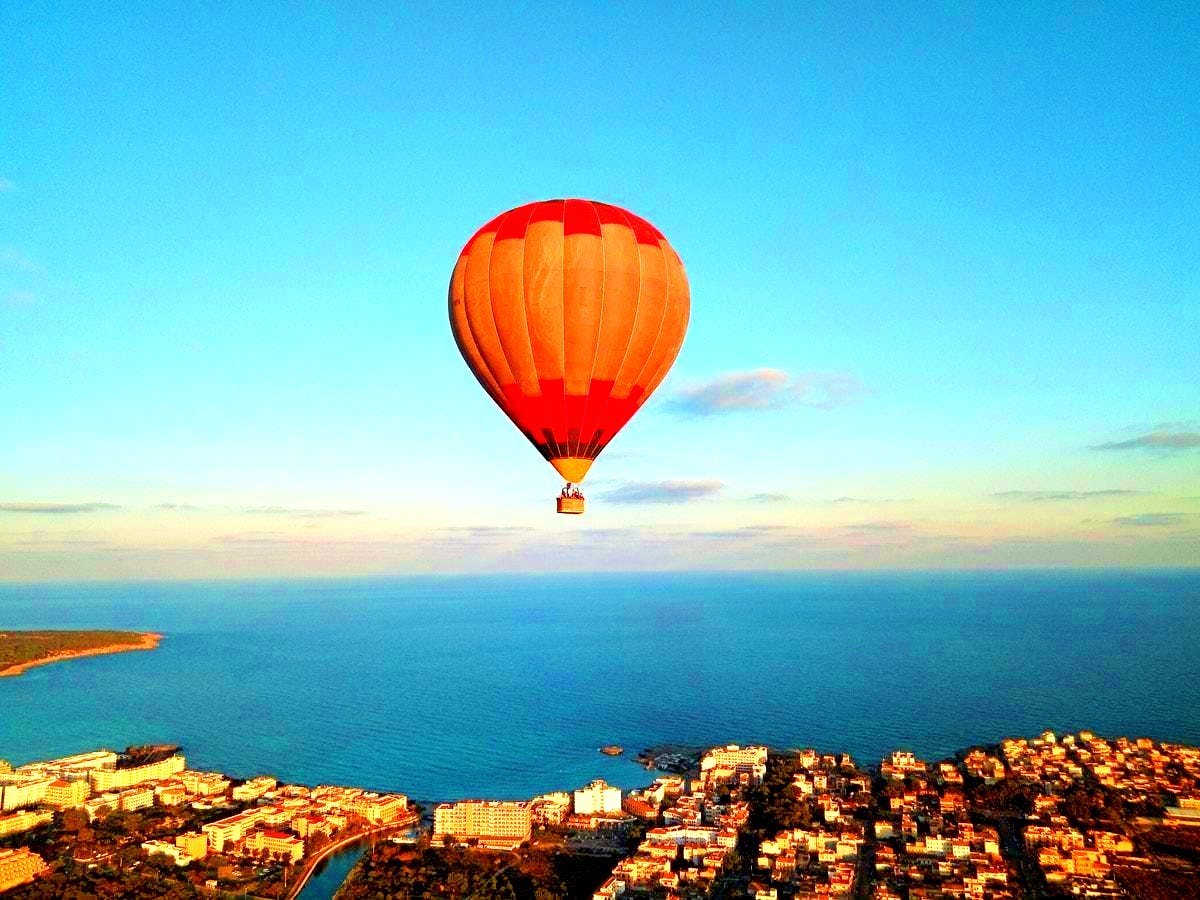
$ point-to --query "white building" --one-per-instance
(176, 853)
(233, 828)
(205, 784)
(732, 762)
(252, 789)
(598, 798)
(497, 824)
(67, 766)
(115, 779)
(17, 791)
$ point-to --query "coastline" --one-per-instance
(149, 641)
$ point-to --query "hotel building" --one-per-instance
(66, 794)
(253, 789)
(135, 798)
(598, 798)
(496, 824)
(232, 829)
(19, 866)
(276, 842)
(115, 779)
(23, 821)
(66, 767)
(17, 791)
(732, 763)
(376, 809)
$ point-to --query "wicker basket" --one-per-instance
(570, 506)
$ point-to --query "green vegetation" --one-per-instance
(389, 870)
(20, 647)
(774, 806)
(103, 858)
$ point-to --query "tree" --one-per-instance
(74, 819)
(161, 863)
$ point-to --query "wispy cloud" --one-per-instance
(487, 531)
(56, 509)
(744, 533)
(609, 533)
(1152, 519)
(303, 513)
(20, 298)
(1162, 440)
(259, 537)
(869, 501)
(64, 543)
(1044, 496)
(176, 507)
(872, 527)
(663, 491)
(768, 498)
(766, 389)
(14, 260)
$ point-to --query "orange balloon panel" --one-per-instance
(570, 313)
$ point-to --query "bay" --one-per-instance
(505, 686)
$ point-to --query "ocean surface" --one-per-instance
(506, 686)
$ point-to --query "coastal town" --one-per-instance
(1047, 816)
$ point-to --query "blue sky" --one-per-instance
(937, 257)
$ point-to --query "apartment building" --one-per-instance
(67, 794)
(598, 798)
(496, 824)
(19, 866)
(116, 779)
(276, 842)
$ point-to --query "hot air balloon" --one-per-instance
(569, 313)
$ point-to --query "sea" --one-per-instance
(507, 686)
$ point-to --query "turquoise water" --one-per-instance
(506, 687)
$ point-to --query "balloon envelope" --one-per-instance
(570, 313)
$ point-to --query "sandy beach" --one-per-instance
(149, 640)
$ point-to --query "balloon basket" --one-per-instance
(570, 506)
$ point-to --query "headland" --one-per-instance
(21, 650)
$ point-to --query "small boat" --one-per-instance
(612, 750)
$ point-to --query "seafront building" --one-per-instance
(745, 766)
(108, 779)
(252, 789)
(71, 767)
(19, 866)
(917, 831)
(598, 798)
(204, 784)
(687, 854)
(377, 809)
(550, 809)
(274, 821)
(495, 824)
